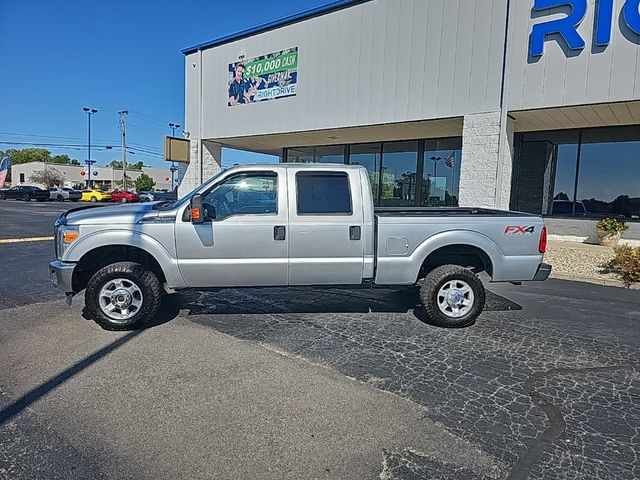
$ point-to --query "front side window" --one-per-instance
(323, 193)
(244, 194)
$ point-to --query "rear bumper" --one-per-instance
(61, 275)
(544, 270)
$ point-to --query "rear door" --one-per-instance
(326, 227)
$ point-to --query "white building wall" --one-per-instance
(378, 62)
(561, 78)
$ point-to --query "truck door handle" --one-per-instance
(354, 233)
(279, 232)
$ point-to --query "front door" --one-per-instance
(326, 227)
(244, 240)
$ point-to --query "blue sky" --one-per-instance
(60, 56)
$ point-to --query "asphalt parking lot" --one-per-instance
(292, 383)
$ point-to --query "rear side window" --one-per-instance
(323, 193)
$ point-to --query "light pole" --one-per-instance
(89, 111)
(435, 165)
(173, 168)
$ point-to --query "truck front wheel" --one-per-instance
(122, 296)
(453, 296)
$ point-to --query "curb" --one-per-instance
(596, 281)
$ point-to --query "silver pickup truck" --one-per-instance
(289, 225)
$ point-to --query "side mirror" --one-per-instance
(197, 209)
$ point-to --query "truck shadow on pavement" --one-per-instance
(326, 300)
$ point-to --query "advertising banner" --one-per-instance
(267, 77)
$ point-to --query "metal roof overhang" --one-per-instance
(274, 143)
(578, 116)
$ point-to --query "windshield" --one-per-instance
(187, 198)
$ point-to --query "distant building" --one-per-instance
(76, 176)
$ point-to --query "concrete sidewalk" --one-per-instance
(184, 401)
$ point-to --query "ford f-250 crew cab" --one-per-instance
(289, 225)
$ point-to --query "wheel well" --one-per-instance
(462, 255)
(100, 257)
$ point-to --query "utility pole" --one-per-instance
(123, 129)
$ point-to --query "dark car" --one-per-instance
(26, 193)
(154, 196)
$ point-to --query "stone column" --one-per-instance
(190, 175)
(485, 171)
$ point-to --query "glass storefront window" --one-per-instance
(329, 154)
(300, 155)
(606, 162)
(399, 174)
(369, 156)
(441, 173)
(609, 173)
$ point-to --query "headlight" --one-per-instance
(66, 235)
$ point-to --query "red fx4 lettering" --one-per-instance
(519, 230)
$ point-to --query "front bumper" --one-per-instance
(61, 275)
(544, 270)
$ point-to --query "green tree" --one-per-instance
(75, 162)
(26, 155)
(130, 166)
(144, 183)
(49, 177)
(61, 159)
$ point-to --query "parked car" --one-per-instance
(94, 195)
(64, 193)
(152, 196)
(124, 196)
(25, 192)
(290, 225)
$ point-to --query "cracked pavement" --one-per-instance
(330, 383)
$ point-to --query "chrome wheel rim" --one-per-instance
(455, 298)
(120, 299)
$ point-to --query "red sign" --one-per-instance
(167, 178)
(82, 173)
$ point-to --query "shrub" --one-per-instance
(626, 264)
(612, 225)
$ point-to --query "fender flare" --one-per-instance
(92, 241)
(455, 237)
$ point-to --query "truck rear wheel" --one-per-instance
(122, 296)
(453, 296)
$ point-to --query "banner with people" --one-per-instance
(267, 77)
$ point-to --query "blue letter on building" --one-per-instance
(604, 22)
(632, 15)
(567, 27)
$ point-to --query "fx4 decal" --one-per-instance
(519, 230)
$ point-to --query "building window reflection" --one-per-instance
(402, 174)
(589, 173)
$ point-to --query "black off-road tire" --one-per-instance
(26, 197)
(145, 279)
(432, 284)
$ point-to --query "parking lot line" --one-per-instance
(22, 240)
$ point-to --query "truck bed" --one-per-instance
(445, 212)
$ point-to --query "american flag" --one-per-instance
(4, 169)
(450, 161)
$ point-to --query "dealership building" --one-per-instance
(76, 176)
(488, 103)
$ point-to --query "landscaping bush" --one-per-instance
(612, 225)
(626, 264)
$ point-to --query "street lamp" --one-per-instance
(89, 111)
(173, 168)
(435, 165)
(173, 127)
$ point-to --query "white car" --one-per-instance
(62, 194)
